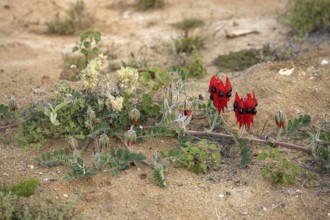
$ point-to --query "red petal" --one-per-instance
(213, 82)
(228, 85)
(221, 99)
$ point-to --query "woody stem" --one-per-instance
(287, 145)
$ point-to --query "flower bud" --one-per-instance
(91, 117)
(12, 104)
(104, 141)
(130, 137)
(73, 142)
(134, 116)
(187, 112)
(280, 119)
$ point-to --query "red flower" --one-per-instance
(219, 93)
(245, 109)
(187, 112)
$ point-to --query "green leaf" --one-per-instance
(97, 36)
(246, 156)
(159, 177)
(60, 106)
(86, 44)
(95, 50)
(75, 48)
(262, 156)
(265, 171)
(84, 51)
(98, 129)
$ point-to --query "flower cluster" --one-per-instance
(220, 93)
(245, 109)
(90, 75)
(115, 103)
(127, 78)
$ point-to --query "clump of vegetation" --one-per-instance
(77, 19)
(12, 207)
(243, 59)
(307, 16)
(141, 62)
(188, 24)
(201, 157)
(101, 109)
(236, 61)
(188, 44)
(195, 66)
(24, 188)
(320, 147)
(144, 5)
(280, 169)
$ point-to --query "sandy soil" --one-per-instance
(31, 59)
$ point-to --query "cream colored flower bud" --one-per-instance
(73, 142)
(130, 137)
(134, 116)
(12, 104)
(104, 140)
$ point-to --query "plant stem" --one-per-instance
(215, 117)
(4, 128)
(287, 145)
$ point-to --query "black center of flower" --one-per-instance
(213, 89)
(235, 105)
(240, 110)
(228, 95)
(211, 97)
(221, 93)
(249, 111)
(254, 111)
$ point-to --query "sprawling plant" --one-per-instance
(101, 107)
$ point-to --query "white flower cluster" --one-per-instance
(115, 103)
(90, 75)
(127, 78)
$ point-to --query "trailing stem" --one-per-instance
(287, 145)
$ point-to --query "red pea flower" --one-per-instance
(220, 93)
(245, 109)
(187, 112)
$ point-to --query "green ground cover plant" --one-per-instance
(131, 105)
(307, 16)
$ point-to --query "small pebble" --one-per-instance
(243, 212)
(264, 208)
(65, 195)
(324, 62)
(221, 195)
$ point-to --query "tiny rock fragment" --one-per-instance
(221, 195)
(30, 166)
(264, 208)
(286, 71)
(324, 62)
(243, 212)
(65, 195)
(143, 175)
